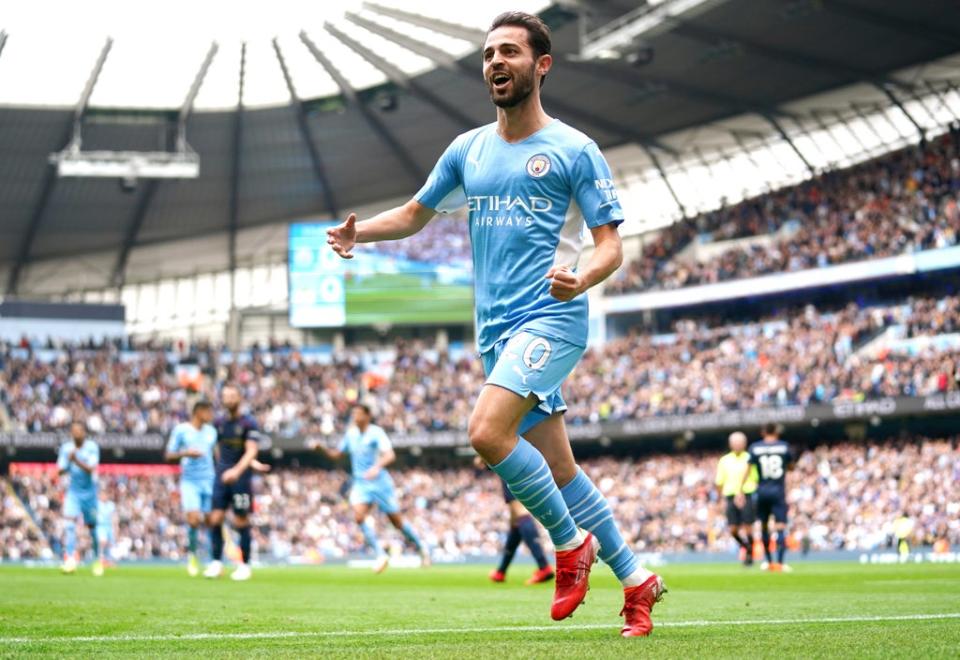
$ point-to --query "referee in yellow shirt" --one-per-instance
(902, 529)
(740, 512)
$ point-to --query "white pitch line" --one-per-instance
(405, 632)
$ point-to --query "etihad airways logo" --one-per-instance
(508, 211)
(508, 204)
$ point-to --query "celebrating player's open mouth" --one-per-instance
(525, 170)
(508, 90)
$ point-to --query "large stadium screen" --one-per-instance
(427, 278)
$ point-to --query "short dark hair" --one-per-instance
(771, 428)
(365, 408)
(203, 404)
(538, 34)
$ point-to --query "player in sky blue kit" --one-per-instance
(192, 444)
(772, 458)
(529, 183)
(106, 524)
(236, 461)
(78, 459)
(370, 453)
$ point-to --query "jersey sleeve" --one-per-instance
(383, 442)
(94, 456)
(443, 190)
(720, 473)
(251, 432)
(63, 460)
(250, 426)
(594, 190)
(174, 443)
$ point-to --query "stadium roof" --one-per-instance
(350, 107)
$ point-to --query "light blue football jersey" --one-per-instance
(88, 453)
(364, 449)
(527, 203)
(186, 436)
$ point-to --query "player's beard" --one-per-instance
(522, 89)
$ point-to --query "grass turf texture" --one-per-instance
(405, 298)
(340, 612)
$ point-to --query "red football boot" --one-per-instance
(544, 574)
(637, 603)
(497, 576)
(573, 575)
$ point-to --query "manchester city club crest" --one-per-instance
(538, 166)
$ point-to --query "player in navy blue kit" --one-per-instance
(531, 185)
(772, 458)
(236, 460)
(522, 529)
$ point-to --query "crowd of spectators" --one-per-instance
(19, 537)
(811, 356)
(902, 202)
(842, 496)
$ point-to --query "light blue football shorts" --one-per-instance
(528, 363)
(383, 495)
(196, 495)
(83, 503)
(105, 534)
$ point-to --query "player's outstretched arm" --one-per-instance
(317, 445)
(606, 258)
(177, 455)
(397, 223)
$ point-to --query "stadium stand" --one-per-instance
(810, 356)
(789, 177)
(902, 202)
(844, 496)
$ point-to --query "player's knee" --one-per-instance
(485, 437)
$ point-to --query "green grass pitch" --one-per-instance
(403, 298)
(820, 610)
